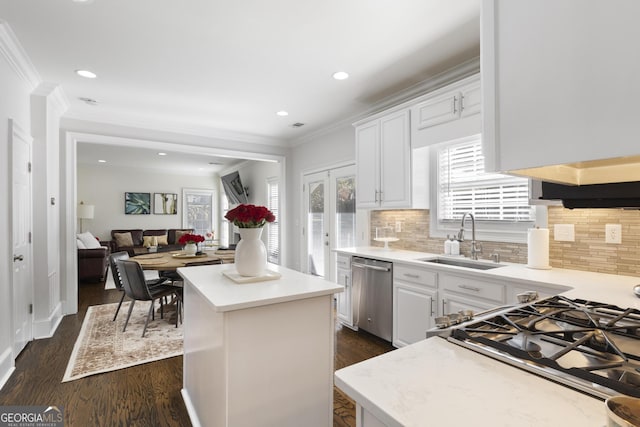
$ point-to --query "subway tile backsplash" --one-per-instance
(588, 252)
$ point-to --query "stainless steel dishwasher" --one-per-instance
(372, 286)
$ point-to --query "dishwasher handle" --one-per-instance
(370, 267)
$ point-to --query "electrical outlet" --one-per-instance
(398, 226)
(613, 233)
(564, 233)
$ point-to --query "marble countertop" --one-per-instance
(226, 295)
(434, 382)
(600, 287)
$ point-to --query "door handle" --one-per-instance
(18, 258)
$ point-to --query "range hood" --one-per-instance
(620, 169)
(612, 195)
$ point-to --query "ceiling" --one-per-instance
(226, 67)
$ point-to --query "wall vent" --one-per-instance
(297, 125)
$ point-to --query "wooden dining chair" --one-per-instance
(136, 288)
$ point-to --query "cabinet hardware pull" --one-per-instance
(376, 197)
(461, 103)
(455, 104)
(413, 276)
(432, 301)
(469, 288)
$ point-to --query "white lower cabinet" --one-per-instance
(343, 299)
(414, 303)
(461, 292)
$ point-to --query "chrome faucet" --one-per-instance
(476, 248)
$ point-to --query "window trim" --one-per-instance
(492, 231)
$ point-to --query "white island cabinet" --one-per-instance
(258, 354)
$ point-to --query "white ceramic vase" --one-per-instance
(190, 248)
(251, 255)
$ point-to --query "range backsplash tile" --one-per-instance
(588, 252)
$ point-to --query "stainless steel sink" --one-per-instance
(466, 263)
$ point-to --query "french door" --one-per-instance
(329, 218)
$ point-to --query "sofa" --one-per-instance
(93, 263)
(137, 241)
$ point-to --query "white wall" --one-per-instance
(14, 103)
(317, 153)
(104, 186)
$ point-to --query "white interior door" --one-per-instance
(22, 277)
(330, 218)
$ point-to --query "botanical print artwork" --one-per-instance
(165, 203)
(137, 203)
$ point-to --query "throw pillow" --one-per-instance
(90, 242)
(160, 240)
(123, 239)
(179, 234)
(80, 244)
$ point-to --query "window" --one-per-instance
(198, 210)
(499, 203)
(273, 228)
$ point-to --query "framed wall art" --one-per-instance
(165, 203)
(137, 203)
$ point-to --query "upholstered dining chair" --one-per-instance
(135, 287)
(120, 256)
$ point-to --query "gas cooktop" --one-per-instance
(591, 346)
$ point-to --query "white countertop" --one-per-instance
(226, 295)
(434, 382)
(599, 287)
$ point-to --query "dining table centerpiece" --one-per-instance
(251, 254)
(190, 242)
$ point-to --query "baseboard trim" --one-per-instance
(45, 328)
(191, 410)
(6, 366)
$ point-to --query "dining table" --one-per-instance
(170, 261)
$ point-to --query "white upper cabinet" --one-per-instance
(446, 114)
(560, 83)
(383, 162)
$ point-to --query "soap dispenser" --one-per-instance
(447, 245)
(455, 247)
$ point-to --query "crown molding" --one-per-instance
(174, 127)
(17, 57)
(54, 93)
(461, 71)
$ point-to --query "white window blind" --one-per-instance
(273, 228)
(463, 186)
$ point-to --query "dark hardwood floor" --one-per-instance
(143, 395)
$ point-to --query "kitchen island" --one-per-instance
(258, 354)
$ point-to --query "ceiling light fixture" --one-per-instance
(102, 161)
(282, 113)
(162, 154)
(340, 75)
(86, 74)
(89, 101)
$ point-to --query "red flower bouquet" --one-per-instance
(190, 238)
(250, 216)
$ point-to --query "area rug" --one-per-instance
(103, 347)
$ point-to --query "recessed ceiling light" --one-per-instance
(102, 161)
(162, 154)
(282, 113)
(86, 73)
(83, 1)
(340, 75)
